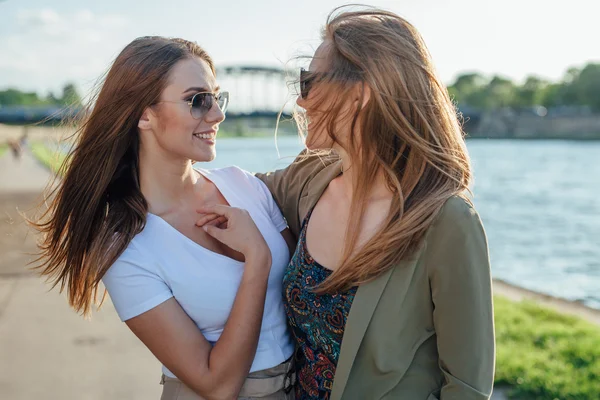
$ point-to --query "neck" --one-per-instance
(164, 181)
(350, 175)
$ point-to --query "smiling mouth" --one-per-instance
(204, 135)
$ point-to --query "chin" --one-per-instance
(204, 156)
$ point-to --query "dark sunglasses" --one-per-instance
(202, 102)
(306, 80)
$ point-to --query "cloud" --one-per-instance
(38, 17)
(48, 48)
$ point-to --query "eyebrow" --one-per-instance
(201, 89)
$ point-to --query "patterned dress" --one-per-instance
(317, 322)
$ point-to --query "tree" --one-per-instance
(501, 92)
(11, 97)
(52, 99)
(579, 87)
(70, 97)
(466, 88)
(531, 93)
(586, 87)
(551, 95)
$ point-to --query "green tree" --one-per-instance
(569, 93)
(501, 92)
(587, 86)
(578, 87)
(551, 95)
(13, 97)
(52, 99)
(70, 97)
(531, 92)
(467, 88)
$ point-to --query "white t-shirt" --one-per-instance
(161, 262)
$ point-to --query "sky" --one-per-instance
(44, 45)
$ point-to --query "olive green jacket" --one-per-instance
(424, 329)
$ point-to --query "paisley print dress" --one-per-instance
(317, 322)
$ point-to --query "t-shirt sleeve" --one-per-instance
(134, 287)
(268, 202)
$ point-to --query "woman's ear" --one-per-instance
(145, 121)
(363, 90)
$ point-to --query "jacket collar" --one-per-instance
(362, 309)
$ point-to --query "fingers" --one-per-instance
(213, 231)
(212, 219)
(219, 209)
(220, 222)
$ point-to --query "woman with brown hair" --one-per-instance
(207, 302)
(392, 256)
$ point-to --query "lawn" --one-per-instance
(44, 154)
(542, 354)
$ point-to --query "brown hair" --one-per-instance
(409, 130)
(98, 206)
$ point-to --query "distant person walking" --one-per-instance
(15, 148)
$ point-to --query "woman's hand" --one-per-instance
(235, 228)
(212, 219)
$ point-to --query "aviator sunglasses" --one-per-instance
(202, 102)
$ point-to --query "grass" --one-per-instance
(3, 148)
(50, 158)
(542, 354)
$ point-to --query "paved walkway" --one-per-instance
(47, 351)
(21, 175)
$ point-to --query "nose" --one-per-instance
(215, 115)
(301, 102)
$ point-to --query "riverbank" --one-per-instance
(533, 123)
(490, 126)
(574, 308)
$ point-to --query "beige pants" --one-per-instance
(268, 384)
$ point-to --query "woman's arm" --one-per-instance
(288, 185)
(284, 185)
(214, 372)
(461, 290)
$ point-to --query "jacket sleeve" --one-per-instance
(461, 289)
(288, 185)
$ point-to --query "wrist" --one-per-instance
(259, 257)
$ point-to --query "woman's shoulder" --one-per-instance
(132, 258)
(308, 170)
(234, 177)
(457, 211)
(456, 222)
(232, 171)
(144, 244)
(309, 165)
(457, 230)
